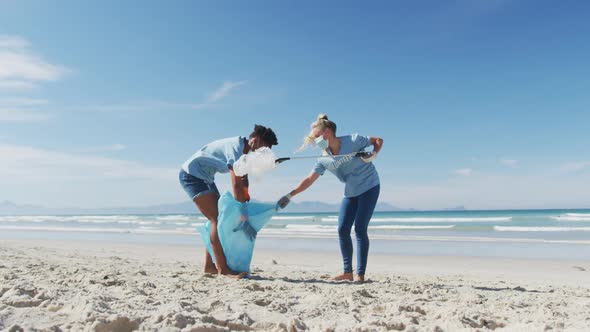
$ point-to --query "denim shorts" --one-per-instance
(194, 186)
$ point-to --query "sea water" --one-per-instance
(551, 234)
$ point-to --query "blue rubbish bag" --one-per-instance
(237, 245)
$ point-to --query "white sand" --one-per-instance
(94, 286)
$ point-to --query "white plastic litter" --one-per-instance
(256, 163)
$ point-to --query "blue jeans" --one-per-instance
(356, 210)
(194, 186)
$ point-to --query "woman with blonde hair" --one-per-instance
(361, 191)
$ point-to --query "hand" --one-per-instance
(284, 201)
(243, 213)
(247, 228)
(367, 156)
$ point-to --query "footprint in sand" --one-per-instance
(262, 302)
(579, 268)
(255, 288)
(119, 324)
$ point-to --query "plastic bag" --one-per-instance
(237, 246)
(255, 163)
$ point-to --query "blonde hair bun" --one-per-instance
(322, 117)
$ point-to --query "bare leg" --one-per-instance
(207, 204)
(209, 266)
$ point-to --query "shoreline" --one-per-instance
(563, 272)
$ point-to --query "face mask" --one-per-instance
(321, 143)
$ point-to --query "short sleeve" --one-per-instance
(319, 168)
(360, 142)
(234, 151)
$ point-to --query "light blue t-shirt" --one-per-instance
(215, 157)
(357, 175)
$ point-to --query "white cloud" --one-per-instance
(18, 110)
(224, 90)
(509, 162)
(16, 85)
(464, 171)
(13, 42)
(153, 105)
(576, 166)
(55, 178)
(20, 115)
(34, 162)
(27, 67)
(19, 64)
(114, 147)
(21, 69)
(22, 102)
(107, 148)
(491, 191)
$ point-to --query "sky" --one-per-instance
(482, 104)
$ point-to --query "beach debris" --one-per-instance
(108, 281)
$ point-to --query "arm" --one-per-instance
(302, 186)
(240, 186)
(377, 143)
(305, 183)
(240, 189)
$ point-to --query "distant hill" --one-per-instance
(10, 208)
(456, 208)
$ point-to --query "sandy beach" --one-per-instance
(94, 286)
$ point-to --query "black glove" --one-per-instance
(247, 228)
(367, 156)
(284, 201)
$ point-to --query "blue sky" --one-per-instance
(480, 103)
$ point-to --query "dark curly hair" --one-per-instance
(265, 134)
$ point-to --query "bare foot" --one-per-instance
(343, 276)
(211, 269)
(238, 276)
(232, 274)
(360, 278)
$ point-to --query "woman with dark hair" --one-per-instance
(197, 178)
(361, 189)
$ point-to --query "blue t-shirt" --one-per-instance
(357, 175)
(215, 157)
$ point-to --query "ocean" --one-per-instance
(548, 234)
